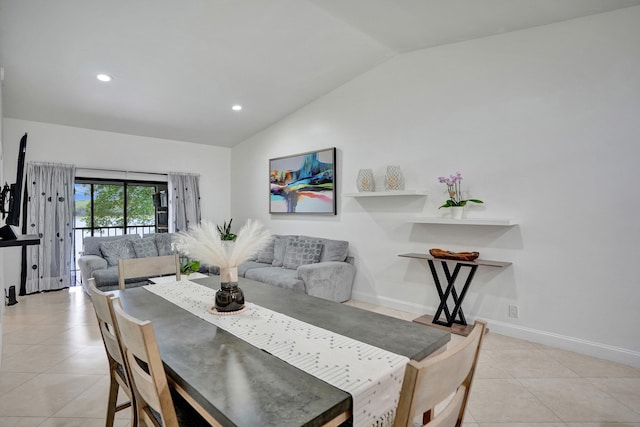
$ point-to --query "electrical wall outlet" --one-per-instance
(513, 311)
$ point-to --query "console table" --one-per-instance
(454, 319)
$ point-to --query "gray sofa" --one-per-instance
(316, 266)
(100, 254)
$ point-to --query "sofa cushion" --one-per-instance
(302, 251)
(266, 253)
(91, 244)
(248, 265)
(163, 242)
(280, 248)
(332, 250)
(107, 276)
(117, 249)
(107, 279)
(145, 247)
(277, 276)
(208, 269)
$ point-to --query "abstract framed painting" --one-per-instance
(303, 183)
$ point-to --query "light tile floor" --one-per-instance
(520, 383)
(54, 374)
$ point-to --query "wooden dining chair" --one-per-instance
(147, 267)
(156, 404)
(118, 369)
(434, 379)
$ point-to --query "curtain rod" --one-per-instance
(119, 170)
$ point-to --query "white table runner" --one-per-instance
(371, 375)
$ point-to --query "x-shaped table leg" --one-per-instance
(450, 315)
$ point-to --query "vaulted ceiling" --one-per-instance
(179, 66)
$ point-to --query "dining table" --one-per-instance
(235, 383)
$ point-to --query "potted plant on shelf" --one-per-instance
(455, 201)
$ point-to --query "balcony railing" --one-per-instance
(81, 232)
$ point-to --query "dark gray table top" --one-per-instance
(241, 385)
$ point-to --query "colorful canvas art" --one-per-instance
(303, 183)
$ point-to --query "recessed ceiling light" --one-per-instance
(104, 77)
(236, 107)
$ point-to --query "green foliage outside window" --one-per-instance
(140, 207)
(108, 205)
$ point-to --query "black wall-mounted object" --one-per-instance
(7, 233)
(11, 196)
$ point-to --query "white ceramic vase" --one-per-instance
(365, 180)
(393, 180)
(457, 212)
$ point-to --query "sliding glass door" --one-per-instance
(113, 208)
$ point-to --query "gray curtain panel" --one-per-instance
(50, 215)
(185, 201)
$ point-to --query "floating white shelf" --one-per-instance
(386, 193)
(465, 221)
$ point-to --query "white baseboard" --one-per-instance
(418, 309)
(578, 345)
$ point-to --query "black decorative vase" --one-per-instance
(229, 297)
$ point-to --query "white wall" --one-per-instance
(1, 251)
(543, 124)
(106, 150)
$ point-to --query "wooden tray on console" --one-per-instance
(460, 256)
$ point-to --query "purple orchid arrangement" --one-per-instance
(455, 195)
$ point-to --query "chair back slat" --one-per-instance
(118, 368)
(148, 376)
(147, 267)
(452, 414)
(448, 373)
(434, 379)
(102, 306)
(111, 343)
(144, 384)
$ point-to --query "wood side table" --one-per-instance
(454, 320)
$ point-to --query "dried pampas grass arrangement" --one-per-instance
(204, 244)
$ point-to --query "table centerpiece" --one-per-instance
(205, 243)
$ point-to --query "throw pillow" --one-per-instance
(266, 253)
(163, 242)
(145, 247)
(302, 251)
(332, 250)
(117, 249)
(279, 249)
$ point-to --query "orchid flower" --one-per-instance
(455, 194)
